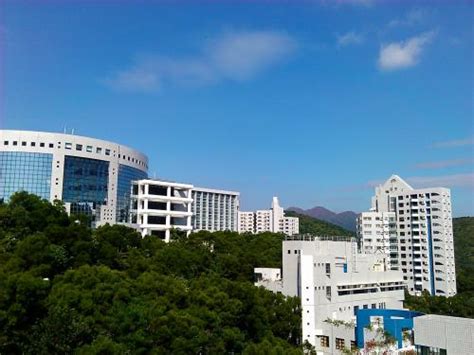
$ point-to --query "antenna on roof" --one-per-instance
(72, 131)
(64, 130)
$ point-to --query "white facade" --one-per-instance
(160, 206)
(272, 220)
(424, 249)
(377, 233)
(435, 334)
(215, 210)
(246, 222)
(333, 280)
(107, 202)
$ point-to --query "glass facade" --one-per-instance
(23, 171)
(85, 184)
(124, 184)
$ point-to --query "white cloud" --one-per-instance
(413, 17)
(399, 55)
(236, 56)
(455, 143)
(350, 38)
(444, 163)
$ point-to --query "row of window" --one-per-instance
(78, 147)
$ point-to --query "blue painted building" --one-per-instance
(395, 322)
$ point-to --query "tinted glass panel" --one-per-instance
(22, 171)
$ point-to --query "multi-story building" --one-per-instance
(246, 222)
(159, 206)
(424, 249)
(214, 210)
(333, 281)
(272, 220)
(89, 175)
(377, 233)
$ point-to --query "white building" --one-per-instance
(215, 210)
(377, 232)
(246, 222)
(424, 248)
(272, 220)
(333, 281)
(89, 175)
(435, 334)
(159, 206)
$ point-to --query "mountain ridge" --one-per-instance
(345, 219)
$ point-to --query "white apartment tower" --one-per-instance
(423, 249)
(333, 281)
(378, 235)
(272, 220)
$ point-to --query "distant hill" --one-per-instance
(316, 226)
(346, 220)
(463, 232)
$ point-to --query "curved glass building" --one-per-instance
(89, 175)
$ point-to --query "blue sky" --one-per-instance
(312, 101)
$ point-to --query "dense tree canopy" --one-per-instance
(65, 288)
(314, 226)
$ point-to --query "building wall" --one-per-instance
(215, 210)
(453, 334)
(425, 249)
(160, 206)
(333, 281)
(377, 232)
(272, 220)
(83, 172)
(246, 222)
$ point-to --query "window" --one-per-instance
(98, 150)
(107, 152)
(51, 145)
(78, 146)
(42, 145)
(328, 291)
(5, 142)
(365, 306)
(33, 144)
(89, 149)
(328, 268)
(15, 143)
(23, 144)
(374, 305)
(289, 251)
(324, 341)
(339, 344)
(68, 145)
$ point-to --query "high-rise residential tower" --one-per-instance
(89, 175)
(423, 248)
(272, 220)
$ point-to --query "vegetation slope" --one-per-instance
(65, 288)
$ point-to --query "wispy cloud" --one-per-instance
(456, 180)
(455, 143)
(405, 54)
(444, 163)
(350, 38)
(413, 17)
(236, 56)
